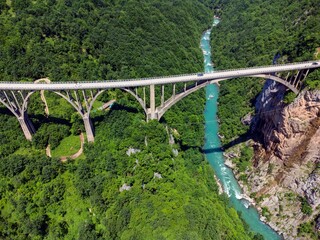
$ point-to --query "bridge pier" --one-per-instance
(16, 101)
(83, 104)
(15, 96)
(162, 95)
(152, 114)
(88, 127)
(27, 126)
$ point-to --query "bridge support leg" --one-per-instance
(27, 126)
(162, 95)
(89, 128)
(152, 103)
(174, 90)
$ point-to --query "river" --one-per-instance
(214, 154)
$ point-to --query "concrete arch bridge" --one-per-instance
(82, 95)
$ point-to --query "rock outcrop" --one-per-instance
(283, 127)
(311, 189)
(287, 158)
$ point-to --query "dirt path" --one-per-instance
(77, 154)
(48, 151)
(73, 156)
(43, 98)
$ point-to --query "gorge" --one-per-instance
(150, 180)
(214, 153)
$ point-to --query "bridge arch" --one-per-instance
(85, 110)
(266, 76)
(15, 95)
(176, 98)
(160, 111)
(142, 102)
(279, 80)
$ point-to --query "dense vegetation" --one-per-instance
(251, 33)
(85, 40)
(169, 195)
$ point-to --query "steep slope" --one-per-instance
(285, 178)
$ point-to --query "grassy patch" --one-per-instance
(68, 146)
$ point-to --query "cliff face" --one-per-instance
(286, 131)
(286, 168)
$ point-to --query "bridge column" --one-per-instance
(144, 97)
(83, 104)
(27, 126)
(174, 90)
(16, 102)
(88, 127)
(162, 95)
(152, 113)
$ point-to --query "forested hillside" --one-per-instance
(82, 40)
(251, 33)
(156, 190)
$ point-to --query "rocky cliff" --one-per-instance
(285, 177)
(286, 131)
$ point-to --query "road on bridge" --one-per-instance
(214, 77)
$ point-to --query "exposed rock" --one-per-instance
(171, 139)
(157, 175)
(247, 119)
(286, 155)
(175, 152)
(125, 187)
(231, 154)
(132, 151)
(220, 188)
(318, 223)
(311, 189)
(229, 163)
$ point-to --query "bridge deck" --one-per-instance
(215, 77)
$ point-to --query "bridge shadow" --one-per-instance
(241, 139)
(212, 150)
(6, 111)
(117, 107)
(39, 119)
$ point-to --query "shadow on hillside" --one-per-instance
(212, 150)
(6, 111)
(39, 119)
(117, 107)
(242, 138)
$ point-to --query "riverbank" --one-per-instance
(214, 153)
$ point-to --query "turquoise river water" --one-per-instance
(214, 154)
